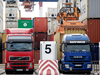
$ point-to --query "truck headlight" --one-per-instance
(30, 65)
(67, 65)
(8, 66)
(88, 65)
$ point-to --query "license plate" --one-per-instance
(19, 69)
(78, 65)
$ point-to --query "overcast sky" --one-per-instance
(33, 14)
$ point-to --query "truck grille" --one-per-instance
(19, 63)
(78, 66)
(19, 58)
(83, 58)
(19, 67)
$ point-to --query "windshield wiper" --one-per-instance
(25, 49)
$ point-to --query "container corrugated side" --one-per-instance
(90, 9)
(37, 56)
(0, 48)
(40, 24)
(93, 29)
(40, 37)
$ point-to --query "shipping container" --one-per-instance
(40, 37)
(12, 3)
(1, 10)
(11, 19)
(52, 26)
(25, 18)
(33, 22)
(1, 25)
(90, 9)
(95, 53)
(40, 24)
(12, 12)
(58, 38)
(37, 57)
(93, 29)
(11, 25)
(52, 12)
(25, 24)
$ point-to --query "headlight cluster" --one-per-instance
(8, 66)
(89, 66)
(67, 65)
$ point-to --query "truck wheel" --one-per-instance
(59, 66)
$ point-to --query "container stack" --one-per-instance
(52, 22)
(12, 14)
(1, 28)
(92, 19)
(40, 34)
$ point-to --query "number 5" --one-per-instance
(48, 49)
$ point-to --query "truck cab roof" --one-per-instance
(75, 37)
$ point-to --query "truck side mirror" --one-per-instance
(3, 46)
(35, 46)
(61, 47)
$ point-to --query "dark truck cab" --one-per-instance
(76, 54)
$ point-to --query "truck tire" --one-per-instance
(59, 66)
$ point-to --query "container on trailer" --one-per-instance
(58, 38)
(25, 24)
(93, 29)
(11, 25)
(40, 24)
(1, 10)
(90, 9)
(25, 18)
(33, 22)
(52, 12)
(12, 3)
(40, 37)
(12, 12)
(1, 25)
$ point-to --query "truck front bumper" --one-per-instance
(77, 66)
(16, 70)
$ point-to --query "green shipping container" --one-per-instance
(25, 24)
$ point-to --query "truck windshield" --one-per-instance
(77, 48)
(19, 46)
